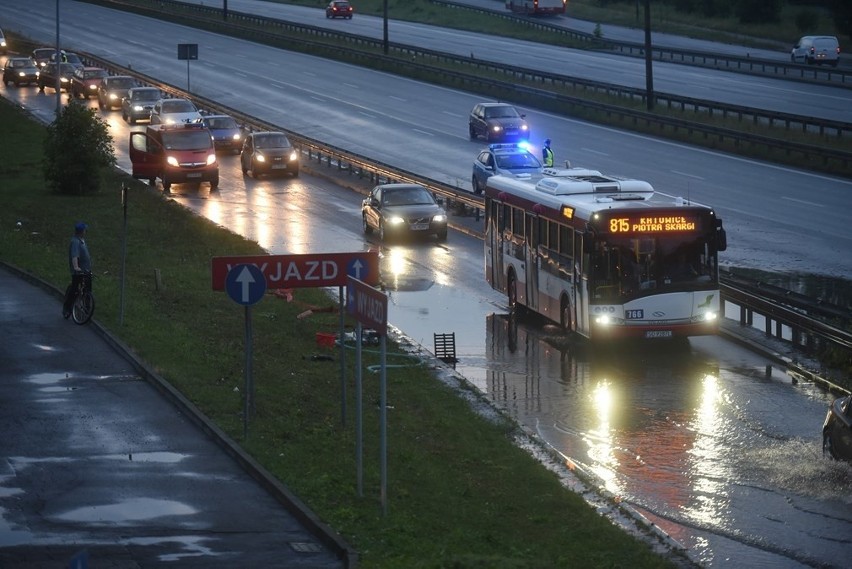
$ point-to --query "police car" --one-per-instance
(513, 159)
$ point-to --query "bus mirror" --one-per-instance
(721, 240)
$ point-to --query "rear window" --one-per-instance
(272, 141)
(178, 106)
(221, 122)
(825, 44)
(120, 83)
(146, 95)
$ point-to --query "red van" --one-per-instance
(176, 154)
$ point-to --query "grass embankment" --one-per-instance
(460, 493)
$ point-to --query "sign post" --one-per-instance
(246, 285)
(370, 307)
(306, 271)
(187, 51)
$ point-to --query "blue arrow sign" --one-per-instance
(245, 284)
(358, 268)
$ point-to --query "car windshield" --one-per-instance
(94, 74)
(178, 106)
(502, 112)
(18, 63)
(517, 161)
(272, 141)
(221, 123)
(186, 140)
(44, 53)
(407, 196)
(120, 83)
(66, 68)
(146, 95)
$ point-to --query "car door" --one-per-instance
(483, 168)
(246, 152)
(145, 156)
(373, 211)
(477, 121)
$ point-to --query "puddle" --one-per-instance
(133, 510)
(162, 457)
(47, 378)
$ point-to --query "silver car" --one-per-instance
(394, 210)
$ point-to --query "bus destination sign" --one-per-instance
(653, 224)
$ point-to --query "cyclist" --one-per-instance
(80, 263)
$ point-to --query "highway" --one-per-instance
(695, 436)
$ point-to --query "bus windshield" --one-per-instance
(623, 268)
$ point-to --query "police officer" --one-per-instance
(547, 154)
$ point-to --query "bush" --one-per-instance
(758, 11)
(76, 149)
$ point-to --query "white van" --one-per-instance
(816, 50)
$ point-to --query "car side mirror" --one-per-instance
(375, 203)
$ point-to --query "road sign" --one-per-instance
(368, 305)
(245, 284)
(302, 271)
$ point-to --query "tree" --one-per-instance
(77, 147)
(843, 17)
(758, 11)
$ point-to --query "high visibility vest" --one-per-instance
(548, 157)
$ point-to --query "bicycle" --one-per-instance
(83, 307)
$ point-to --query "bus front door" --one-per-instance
(531, 262)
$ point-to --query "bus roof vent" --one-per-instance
(591, 182)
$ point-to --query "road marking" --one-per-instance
(422, 132)
(397, 98)
(687, 175)
(595, 151)
(351, 86)
(368, 115)
(802, 201)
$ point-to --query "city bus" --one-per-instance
(604, 257)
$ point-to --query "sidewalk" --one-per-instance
(103, 459)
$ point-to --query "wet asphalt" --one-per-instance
(103, 465)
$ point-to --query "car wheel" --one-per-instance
(296, 173)
(41, 87)
(132, 120)
(477, 189)
(243, 167)
(101, 105)
(442, 235)
(152, 182)
(472, 132)
(382, 234)
(366, 226)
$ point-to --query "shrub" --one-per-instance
(76, 149)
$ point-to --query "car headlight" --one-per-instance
(21, 74)
(236, 136)
(496, 128)
(63, 80)
(440, 218)
(294, 156)
(113, 96)
(172, 161)
(169, 121)
(524, 127)
(260, 157)
(211, 158)
(138, 108)
(395, 220)
(93, 87)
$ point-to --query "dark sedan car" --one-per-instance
(113, 89)
(497, 122)
(339, 9)
(837, 429)
(269, 153)
(68, 57)
(85, 81)
(47, 76)
(42, 55)
(403, 209)
(227, 134)
(139, 103)
(20, 71)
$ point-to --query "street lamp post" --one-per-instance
(58, 84)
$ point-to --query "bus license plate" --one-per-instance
(658, 334)
(420, 227)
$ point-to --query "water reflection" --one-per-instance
(832, 290)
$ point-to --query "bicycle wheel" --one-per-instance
(84, 308)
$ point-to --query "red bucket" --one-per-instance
(326, 340)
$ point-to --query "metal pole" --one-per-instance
(359, 410)
(384, 426)
(249, 385)
(188, 90)
(385, 42)
(342, 300)
(123, 254)
(58, 66)
(649, 74)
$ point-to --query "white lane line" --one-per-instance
(687, 175)
(351, 86)
(595, 151)
(802, 201)
(394, 97)
(422, 132)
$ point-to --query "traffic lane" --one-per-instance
(693, 433)
(101, 461)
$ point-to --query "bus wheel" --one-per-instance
(512, 290)
(565, 318)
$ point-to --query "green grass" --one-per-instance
(460, 493)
